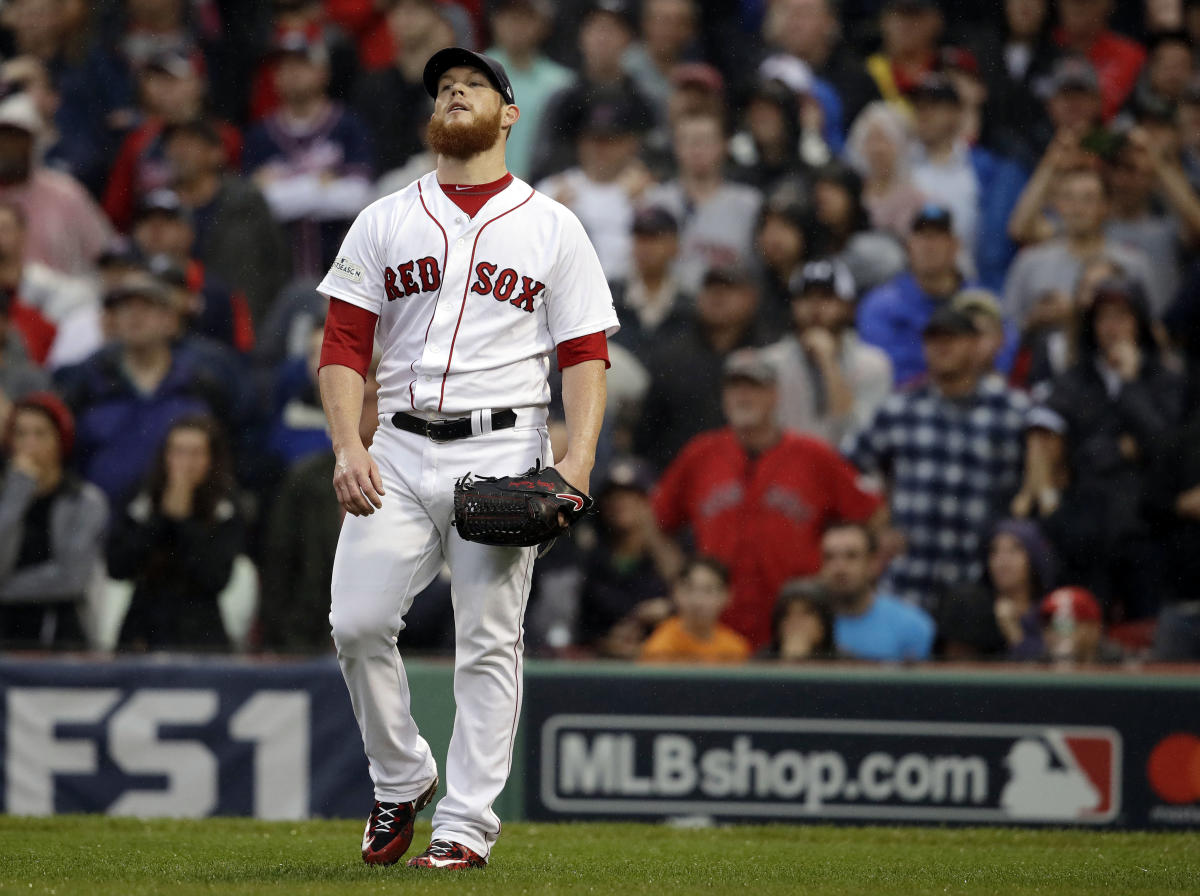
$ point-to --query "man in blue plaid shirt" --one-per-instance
(951, 453)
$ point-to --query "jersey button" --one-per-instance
(458, 221)
(461, 243)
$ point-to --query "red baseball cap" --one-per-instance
(1073, 601)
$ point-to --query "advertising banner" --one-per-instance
(905, 747)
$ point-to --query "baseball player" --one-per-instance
(468, 278)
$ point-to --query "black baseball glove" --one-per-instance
(517, 511)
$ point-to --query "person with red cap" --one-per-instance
(52, 527)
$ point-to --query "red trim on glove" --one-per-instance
(349, 337)
(592, 347)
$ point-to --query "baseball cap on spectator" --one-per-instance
(935, 87)
(1120, 288)
(628, 473)
(825, 276)
(932, 216)
(450, 57)
(774, 91)
(137, 284)
(654, 220)
(1071, 602)
(1074, 73)
(697, 74)
(161, 202)
(788, 70)
(609, 115)
(543, 8)
(727, 275)
(118, 252)
(167, 270)
(295, 42)
(949, 321)
(618, 9)
(17, 110)
(978, 301)
(174, 62)
(56, 410)
(749, 364)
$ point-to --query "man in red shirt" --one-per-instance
(1083, 29)
(757, 497)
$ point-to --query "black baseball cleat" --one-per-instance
(389, 830)
(449, 855)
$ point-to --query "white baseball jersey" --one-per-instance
(470, 308)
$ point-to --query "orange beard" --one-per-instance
(461, 141)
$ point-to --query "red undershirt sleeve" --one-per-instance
(349, 337)
(592, 347)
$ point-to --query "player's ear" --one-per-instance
(509, 116)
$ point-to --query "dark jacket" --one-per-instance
(178, 568)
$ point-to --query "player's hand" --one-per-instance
(356, 481)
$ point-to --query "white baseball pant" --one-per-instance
(382, 562)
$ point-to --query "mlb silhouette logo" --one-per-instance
(1063, 775)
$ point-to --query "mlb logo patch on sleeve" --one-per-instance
(347, 269)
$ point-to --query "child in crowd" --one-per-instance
(694, 633)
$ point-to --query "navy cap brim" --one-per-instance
(444, 60)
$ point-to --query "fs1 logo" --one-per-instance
(162, 745)
(824, 768)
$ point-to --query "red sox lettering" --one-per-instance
(401, 281)
(504, 285)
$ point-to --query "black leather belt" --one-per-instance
(450, 430)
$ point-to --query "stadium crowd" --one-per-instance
(909, 364)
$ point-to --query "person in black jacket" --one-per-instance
(1094, 438)
(177, 541)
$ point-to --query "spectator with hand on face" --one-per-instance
(695, 633)
(177, 540)
(51, 529)
(802, 626)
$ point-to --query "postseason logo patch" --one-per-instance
(347, 270)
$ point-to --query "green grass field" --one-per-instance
(93, 856)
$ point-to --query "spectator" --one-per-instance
(1164, 78)
(651, 304)
(236, 236)
(717, 218)
(48, 304)
(878, 149)
(843, 229)
(66, 229)
(520, 28)
(784, 232)
(1073, 629)
(910, 30)
(1102, 424)
(979, 188)
(869, 624)
(1153, 208)
(130, 392)
(950, 451)
(1174, 504)
(603, 188)
(757, 497)
(173, 89)
(626, 575)
(809, 30)
(605, 35)
(696, 87)
(1000, 617)
(766, 151)
(70, 134)
(163, 233)
(802, 624)
(668, 33)
(298, 427)
(1043, 276)
(311, 158)
(393, 101)
(683, 398)
(302, 529)
(893, 316)
(177, 540)
(695, 634)
(1187, 129)
(1014, 61)
(1083, 29)
(51, 529)
(996, 339)
(830, 383)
